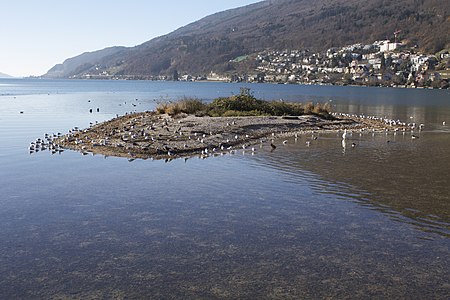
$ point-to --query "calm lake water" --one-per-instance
(297, 223)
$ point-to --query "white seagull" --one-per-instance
(344, 135)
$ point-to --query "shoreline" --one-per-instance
(237, 82)
(148, 135)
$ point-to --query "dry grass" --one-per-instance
(242, 105)
(187, 105)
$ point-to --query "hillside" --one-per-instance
(210, 43)
(82, 63)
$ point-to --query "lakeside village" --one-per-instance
(382, 63)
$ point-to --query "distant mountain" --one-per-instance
(3, 75)
(84, 62)
(210, 43)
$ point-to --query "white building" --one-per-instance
(418, 62)
(387, 46)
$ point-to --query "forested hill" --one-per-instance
(210, 43)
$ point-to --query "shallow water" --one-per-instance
(299, 222)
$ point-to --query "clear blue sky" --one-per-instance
(37, 34)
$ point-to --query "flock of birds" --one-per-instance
(50, 141)
(47, 143)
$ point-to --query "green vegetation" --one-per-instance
(244, 104)
(240, 58)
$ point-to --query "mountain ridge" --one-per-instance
(82, 62)
(3, 75)
(210, 43)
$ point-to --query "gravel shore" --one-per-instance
(151, 135)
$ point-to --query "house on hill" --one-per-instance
(387, 46)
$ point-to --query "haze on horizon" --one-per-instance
(41, 34)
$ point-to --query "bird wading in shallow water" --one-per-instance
(344, 135)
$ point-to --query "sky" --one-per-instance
(35, 35)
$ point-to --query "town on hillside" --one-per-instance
(383, 63)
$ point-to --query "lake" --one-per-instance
(297, 223)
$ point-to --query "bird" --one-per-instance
(285, 142)
(344, 135)
(414, 137)
(444, 123)
(273, 146)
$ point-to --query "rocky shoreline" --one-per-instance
(151, 135)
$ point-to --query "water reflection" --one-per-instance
(431, 116)
(385, 172)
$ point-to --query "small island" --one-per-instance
(190, 127)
